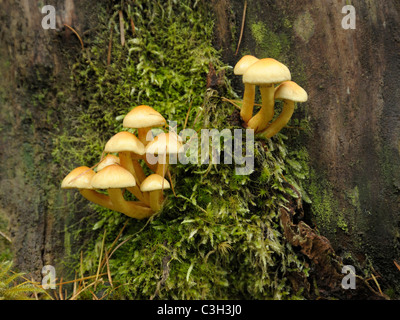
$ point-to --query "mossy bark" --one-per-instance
(351, 77)
(353, 145)
(33, 67)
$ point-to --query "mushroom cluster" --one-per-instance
(122, 168)
(266, 73)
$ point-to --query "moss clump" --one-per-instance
(269, 43)
(219, 236)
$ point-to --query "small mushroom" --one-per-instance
(143, 118)
(164, 145)
(265, 73)
(290, 92)
(249, 93)
(127, 144)
(114, 178)
(155, 184)
(107, 160)
(80, 178)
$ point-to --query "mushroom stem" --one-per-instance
(138, 194)
(127, 163)
(162, 165)
(152, 167)
(142, 135)
(130, 208)
(155, 200)
(281, 121)
(246, 111)
(266, 113)
(138, 170)
(97, 198)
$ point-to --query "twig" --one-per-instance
(231, 101)
(101, 256)
(129, 238)
(80, 279)
(5, 237)
(34, 292)
(60, 290)
(94, 296)
(377, 284)
(121, 27)
(109, 48)
(108, 269)
(114, 242)
(74, 287)
(73, 30)
(396, 264)
(172, 185)
(84, 288)
(241, 31)
(81, 270)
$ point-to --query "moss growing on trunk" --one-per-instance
(218, 236)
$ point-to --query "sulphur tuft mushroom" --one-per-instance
(249, 93)
(80, 178)
(106, 161)
(290, 92)
(114, 179)
(164, 145)
(155, 184)
(265, 73)
(128, 146)
(143, 118)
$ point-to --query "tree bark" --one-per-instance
(352, 79)
(32, 61)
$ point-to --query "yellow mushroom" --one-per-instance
(106, 161)
(80, 178)
(155, 184)
(143, 118)
(127, 145)
(290, 92)
(114, 179)
(265, 73)
(164, 145)
(249, 93)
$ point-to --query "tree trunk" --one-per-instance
(352, 78)
(33, 60)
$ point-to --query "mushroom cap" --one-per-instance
(124, 141)
(79, 178)
(143, 117)
(289, 90)
(165, 143)
(243, 64)
(113, 176)
(154, 182)
(107, 160)
(266, 71)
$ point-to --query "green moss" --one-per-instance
(269, 43)
(324, 207)
(220, 236)
(5, 244)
